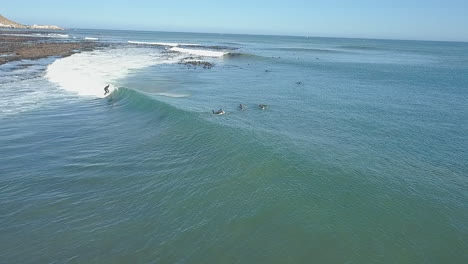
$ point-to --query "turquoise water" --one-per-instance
(360, 157)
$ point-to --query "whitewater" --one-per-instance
(87, 73)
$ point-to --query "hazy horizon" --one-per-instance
(400, 20)
(260, 34)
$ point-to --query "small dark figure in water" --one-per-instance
(219, 112)
(298, 83)
(242, 107)
(106, 89)
(262, 106)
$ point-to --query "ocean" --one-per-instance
(361, 155)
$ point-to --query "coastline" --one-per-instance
(14, 47)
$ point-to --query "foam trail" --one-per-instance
(88, 73)
(23, 89)
(173, 95)
(204, 53)
(91, 38)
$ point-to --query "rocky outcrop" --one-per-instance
(204, 64)
(6, 23)
(14, 48)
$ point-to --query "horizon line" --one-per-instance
(273, 35)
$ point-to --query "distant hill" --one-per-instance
(7, 23)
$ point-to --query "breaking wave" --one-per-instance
(165, 44)
(87, 73)
(200, 52)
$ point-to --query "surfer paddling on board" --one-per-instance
(106, 89)
(219, 112)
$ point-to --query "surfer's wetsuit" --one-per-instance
(106, 89)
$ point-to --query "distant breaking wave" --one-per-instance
(314, 50)
(204, 51)
(38, 35)
(200, 52)
(167, 44)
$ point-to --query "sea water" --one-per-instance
(360, 156)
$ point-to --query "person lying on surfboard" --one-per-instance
(219, 112)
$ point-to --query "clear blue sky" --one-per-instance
(397, 19)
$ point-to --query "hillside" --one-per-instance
(6, 23)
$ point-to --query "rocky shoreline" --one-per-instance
(14, 48)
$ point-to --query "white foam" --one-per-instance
(54, 35)
(91, 38)
(188, 44)
(27, 95)
(37, 35)
(168, 44)
(204, 53)
(87, 73)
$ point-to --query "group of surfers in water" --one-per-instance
(219, 112)
(241, 107)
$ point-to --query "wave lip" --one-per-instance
(200, 52)
(91, 38)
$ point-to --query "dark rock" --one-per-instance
(24, 47)
(204, 64)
